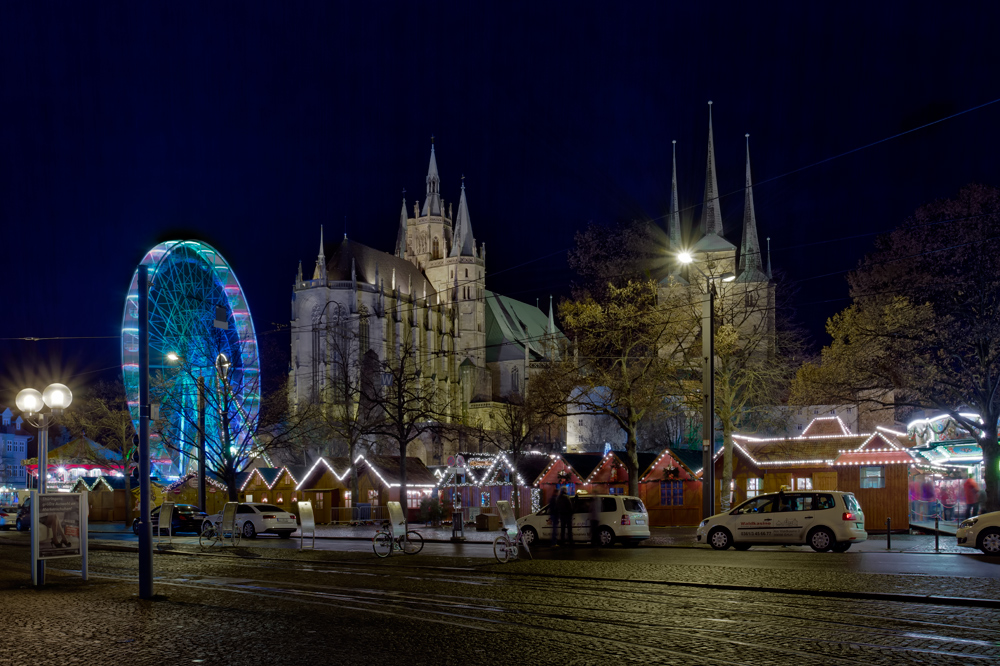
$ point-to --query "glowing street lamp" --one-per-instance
(707, 382)
(30, 402)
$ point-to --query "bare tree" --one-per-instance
(103, 415)
(237, 427)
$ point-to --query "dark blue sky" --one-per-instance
(249, 125)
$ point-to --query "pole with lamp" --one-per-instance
(708, 382)
(30, 402)
(174, 357)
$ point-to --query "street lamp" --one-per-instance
(707, 382)
(30, 402)
(200, 381)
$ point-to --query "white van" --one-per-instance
(622, 518)
(824, 520)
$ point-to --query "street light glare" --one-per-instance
(685, 257)
(728, 277)
(57, 396)
(29, 401)
(172, 356)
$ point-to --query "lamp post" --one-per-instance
(174, 357)
(707, 383)
(56, 397)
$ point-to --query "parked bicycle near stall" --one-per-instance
(393, 537)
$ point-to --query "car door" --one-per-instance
(753, 521)
(541, 520)
(582, 507)
(245, 512)
(794, 517)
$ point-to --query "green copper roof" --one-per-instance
(509, 323)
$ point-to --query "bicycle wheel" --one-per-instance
(413, 544)
(237, 535)
(382, 544)
(501, 548)
(207, 537)
(523, 543)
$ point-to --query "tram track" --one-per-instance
(731, 623)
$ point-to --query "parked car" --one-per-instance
(23, 519)
(622, 518)
(253, 519)
(8, 517)
(185, 518)
(828, 520)
(982, 532)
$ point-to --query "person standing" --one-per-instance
(554, 514)
(971, 490)
(566, 518)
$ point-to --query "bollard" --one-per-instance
(888, 533)
(937, 534)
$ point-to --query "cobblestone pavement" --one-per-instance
(243, 607)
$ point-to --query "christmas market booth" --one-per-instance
(378, 482)
(327, 485)
(559, 473)
(256, 486)
(185, 491)
(106, 497)
(670, 487)
(873, 466)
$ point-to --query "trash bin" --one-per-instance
(487, 522)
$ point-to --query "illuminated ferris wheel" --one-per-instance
(201, 341)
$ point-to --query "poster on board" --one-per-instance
(58, 525)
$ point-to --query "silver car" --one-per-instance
(253, 519)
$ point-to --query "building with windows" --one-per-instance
(14, 440)
(472, 346)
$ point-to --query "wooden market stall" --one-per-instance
(670, 488)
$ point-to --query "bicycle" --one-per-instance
(214, 535)
(384, 544)
(506, 548)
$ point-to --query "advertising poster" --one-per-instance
(59, 525)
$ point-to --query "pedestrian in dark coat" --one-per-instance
(555, 514)
(565, 505)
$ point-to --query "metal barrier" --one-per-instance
(363, 514)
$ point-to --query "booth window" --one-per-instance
(804, 483)
(873, 477)
(753, 488)
(281, 498)
(672, 493)
(413, 499)
(263, 498)
(319, 500)
(373, 497)
(348, 499)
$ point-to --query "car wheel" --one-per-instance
(989, 541)
(529, 534)
(720, 538)
(20, 525)
(135, 527)
(741, 546)
(249, 531)
(841, 546)
(605, 537)
(821, 539)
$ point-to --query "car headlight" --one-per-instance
(703, 523)
(969, 523)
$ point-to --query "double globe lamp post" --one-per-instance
(708, 382)
(30, 402)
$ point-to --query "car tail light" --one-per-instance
(269, 515)
(625, 519)
(848, 515)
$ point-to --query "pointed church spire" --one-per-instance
(432, 204)
(298, 277)
(320, 271)
(750, 259)
(711, 223)
(462, 244)
(401, 234)
(354, 287)
(552, 319)
(712, 217)
(674, 221)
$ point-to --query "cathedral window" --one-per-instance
(364, 332)
(436, 248)
(466, 273)
(515, 380)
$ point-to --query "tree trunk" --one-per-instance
(355, 490)
(632, 461)
(991, 456)
(402, 484)
(727, 464)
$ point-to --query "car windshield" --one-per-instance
(268, 507)
(634, 504)
(756, 505)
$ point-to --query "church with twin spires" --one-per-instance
(478, 345)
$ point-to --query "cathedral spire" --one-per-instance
(674, 221)
(711, 224)
(463, 245)
(552, 319)
(401, 234)
(432, 204)
(712, 216)
(750, 259)
(320, 271)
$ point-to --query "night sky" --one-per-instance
(250, 125)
